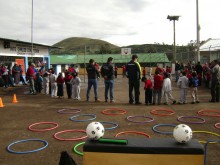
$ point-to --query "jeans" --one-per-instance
(215, 91)
(134, 84)
(94, 83)
(109, 86)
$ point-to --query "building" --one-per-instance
(12, 51)
(210, 50)
(61, 62)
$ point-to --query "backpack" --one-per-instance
(66, 159)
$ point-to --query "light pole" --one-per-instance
(197, 30)
(174, 18)
(32, 22)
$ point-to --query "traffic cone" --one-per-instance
(1, 103)
(14, 100)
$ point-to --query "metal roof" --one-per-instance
(99, 58)
(25, 42)
(211, 45)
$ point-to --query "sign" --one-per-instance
(125, 51)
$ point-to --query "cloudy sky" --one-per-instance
(121, 22)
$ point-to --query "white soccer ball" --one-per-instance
(95, 130)
(182, 133)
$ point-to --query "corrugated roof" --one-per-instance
(99, 58)
(211, 45)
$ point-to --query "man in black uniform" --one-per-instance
(133, 73)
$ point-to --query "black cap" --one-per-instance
(134, 56)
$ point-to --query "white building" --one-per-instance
(12, 51)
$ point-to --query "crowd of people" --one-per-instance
(158, 88)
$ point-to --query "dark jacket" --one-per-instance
(92, 72)
(133, 71)
(108, 71)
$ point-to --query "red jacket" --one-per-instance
(148, 84)
(158, 81)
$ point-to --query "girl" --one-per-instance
(60, 82)
(46, 83)
(148, 91)
(76, 82)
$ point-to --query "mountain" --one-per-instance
(78, 45)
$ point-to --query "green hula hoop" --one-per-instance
(75, 148)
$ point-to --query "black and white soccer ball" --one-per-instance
(182, 133)
(95, 130)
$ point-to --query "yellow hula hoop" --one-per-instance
(207, 132)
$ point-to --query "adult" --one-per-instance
(215, 81)
(177, 70)
(30, 75)
(4, 72)
(133, 73)
(16, 73)
(107, 72)
(93, 75)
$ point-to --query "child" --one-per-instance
(183, 83)
(39, 81)
(167, 89)
(53, 83)
(76, 82)
(148, 91)
(60, 82)
(158, 82)
(46, 83)
(195, 84)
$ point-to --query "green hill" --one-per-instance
(78, 45)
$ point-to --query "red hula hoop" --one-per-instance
(121, 111)
(70, 139)
(202, 112)
(133, 132)
(216, 125)
(43, 130)
(154, 112)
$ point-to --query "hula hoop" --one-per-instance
(206, 145)
(30, 151)
(71, 139)
(73, 117)
(133, 132)
(120, 111)
(154, 112)
(216, 125)
(75, 148)
(196, 117)
(43, 130)
(75, 110)
(212, 133)
(202, 113)
(148, 117)
(115, 125)
(170, 125)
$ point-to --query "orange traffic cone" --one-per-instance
(14, 100)
(1, 103)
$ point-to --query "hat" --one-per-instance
(32, 64)
(134, 56)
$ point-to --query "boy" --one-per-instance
(183, 83)
(195, 84)
(148, 91)
(167, 89)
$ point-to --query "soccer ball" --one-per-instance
(95, 130)
(182, 133)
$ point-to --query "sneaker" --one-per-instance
(165, 103)
(174, 101)
(192, 102)
(98, 100)
(131, 102)
(106, 101)
(197, 101)
(112, 101)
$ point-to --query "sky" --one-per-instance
(120, 22)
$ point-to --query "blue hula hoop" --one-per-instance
(27, 152)
(154, 128)
(115, 125)
(206, 145)
(73, 117)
